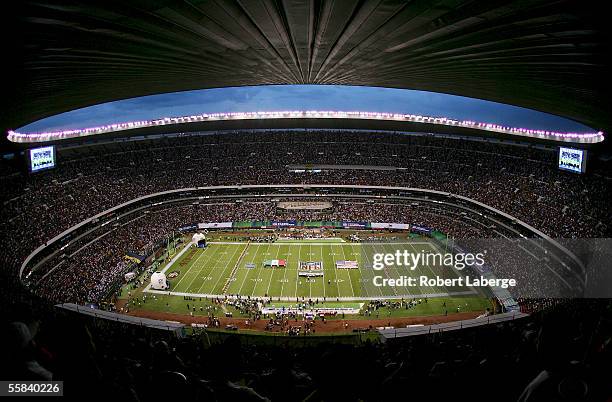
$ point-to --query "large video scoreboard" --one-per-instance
(41, 158)
(572, 159)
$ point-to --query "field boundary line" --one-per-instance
(246, 274)
(172, 261)
(284, 298)
(457, 275)
(303, 243)
(234, 270)
(367, 257)
(336, 270)
(176, 257)
(272, 276)
(284, 271)
(214, 258)
(198, 268)
(226, 265)
(259, 270)
(350, 279)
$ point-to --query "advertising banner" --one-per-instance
(355, 225)
(188, 228)
(215, 225)
(420, 229)
(283, 224)
(395, 226)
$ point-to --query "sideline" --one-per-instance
(168, 265)
(332, 299)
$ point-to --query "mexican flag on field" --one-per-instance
(275, 263)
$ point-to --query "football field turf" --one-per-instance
(236, 268)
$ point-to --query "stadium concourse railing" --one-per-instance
(176, 328)
(414, 330)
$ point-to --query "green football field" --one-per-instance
(237, 268)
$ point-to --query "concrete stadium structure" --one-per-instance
(543, 54)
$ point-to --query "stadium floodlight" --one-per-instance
(584, 137)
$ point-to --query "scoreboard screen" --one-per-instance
(41, 158)
(572, 159)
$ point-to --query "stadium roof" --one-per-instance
(403, 122)
(545, 55)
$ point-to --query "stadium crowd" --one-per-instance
(522, 181)
(90, 265)
(562, 354)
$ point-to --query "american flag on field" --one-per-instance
(347, 264)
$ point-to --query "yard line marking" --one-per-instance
(363, 268)
(246, 274)
(387, 275)
(272, 276)
(336, 271)
(323, 266)
(309, 283)
(297, 272)
(260, 270)
(404, 292)
(368, 259)
(191, 265)
(430, 270)
(433, 246)
(234, 270)
(205, 265)
(284, 274)
(210, 264)
(207, 268)
(349, 276)
(226, 265)
(333, 270)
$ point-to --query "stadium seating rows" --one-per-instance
(134, 363)
(521, 181)
(563, 353)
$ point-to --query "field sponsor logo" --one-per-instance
(310, 268)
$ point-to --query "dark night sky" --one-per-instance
(303, 97)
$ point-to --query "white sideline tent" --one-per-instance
(129, 276)
(197, 237)
(158, 281)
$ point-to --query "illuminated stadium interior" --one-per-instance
(587, 137)
(422, 197)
